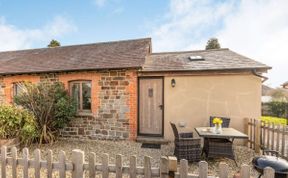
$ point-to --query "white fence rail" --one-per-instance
(79, 168)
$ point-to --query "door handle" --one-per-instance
(161, 106)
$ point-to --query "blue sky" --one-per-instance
(92, 21)
(257, 29)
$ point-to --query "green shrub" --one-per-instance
(17, 122)
(278, 108)
(51, 106)
(275, 120)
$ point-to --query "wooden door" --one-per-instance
(150, 121)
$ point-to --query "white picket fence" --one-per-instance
(79, 168)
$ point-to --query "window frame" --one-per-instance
(80, 82)
(15, 85)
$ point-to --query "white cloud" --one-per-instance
(13, 38)
(257, 29)
(59, 26)
(100, 3)
(117, 11)
(187, 21)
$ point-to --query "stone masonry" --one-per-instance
(2, 93)
(50, 77)
(114, 102)
(116, 113)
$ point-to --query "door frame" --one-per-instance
(138, 107)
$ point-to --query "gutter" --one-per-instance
(69, 70)
(259, 75)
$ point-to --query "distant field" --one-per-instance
(275, 120)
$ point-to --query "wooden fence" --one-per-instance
(78, 168)
(268, 136)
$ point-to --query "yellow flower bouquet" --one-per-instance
(217, 121)
(218, 125)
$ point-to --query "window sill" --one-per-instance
(84, 113)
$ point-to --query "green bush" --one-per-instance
(275, 120)
(51, 106)
(278, 108)
(17, 122)
(65, 108)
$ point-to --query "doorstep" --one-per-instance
(152, 140)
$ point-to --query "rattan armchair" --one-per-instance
(186, 147)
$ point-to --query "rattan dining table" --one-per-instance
(219, 144)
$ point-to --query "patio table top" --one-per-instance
(226, 133)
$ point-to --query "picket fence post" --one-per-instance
(147, 167)
(132, 165)
(49, 164)
(91, 160)
(62, 166)
(245, 171)
(37, 158)
(3, 161)
(269, 172)
(223, 170)
(257, 141)
(77, 161)
(25, 162)
(184, 168)
(172, 166)
(119, 166)
(164, 167)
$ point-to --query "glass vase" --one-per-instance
(218, 128)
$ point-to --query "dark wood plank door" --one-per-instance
(150, 121)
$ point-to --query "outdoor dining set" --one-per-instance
(216, 144)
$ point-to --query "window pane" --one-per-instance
(18, 88)
(86, 95)
(76, 94)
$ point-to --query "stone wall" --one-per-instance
(51, 77)
(2, 92)
(114, 102)
(115, 116)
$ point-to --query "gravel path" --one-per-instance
(127, 148)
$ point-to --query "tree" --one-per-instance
(51, 105)
(279, 105)
(213, 43)
(279, 94)
(54, 43)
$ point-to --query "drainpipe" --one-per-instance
(259, 75)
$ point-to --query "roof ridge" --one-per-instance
(78, 45)
(177, 52)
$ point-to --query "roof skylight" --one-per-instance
(196, 58)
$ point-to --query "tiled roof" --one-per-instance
(120, 55)
(220, 59)
(108, 55)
